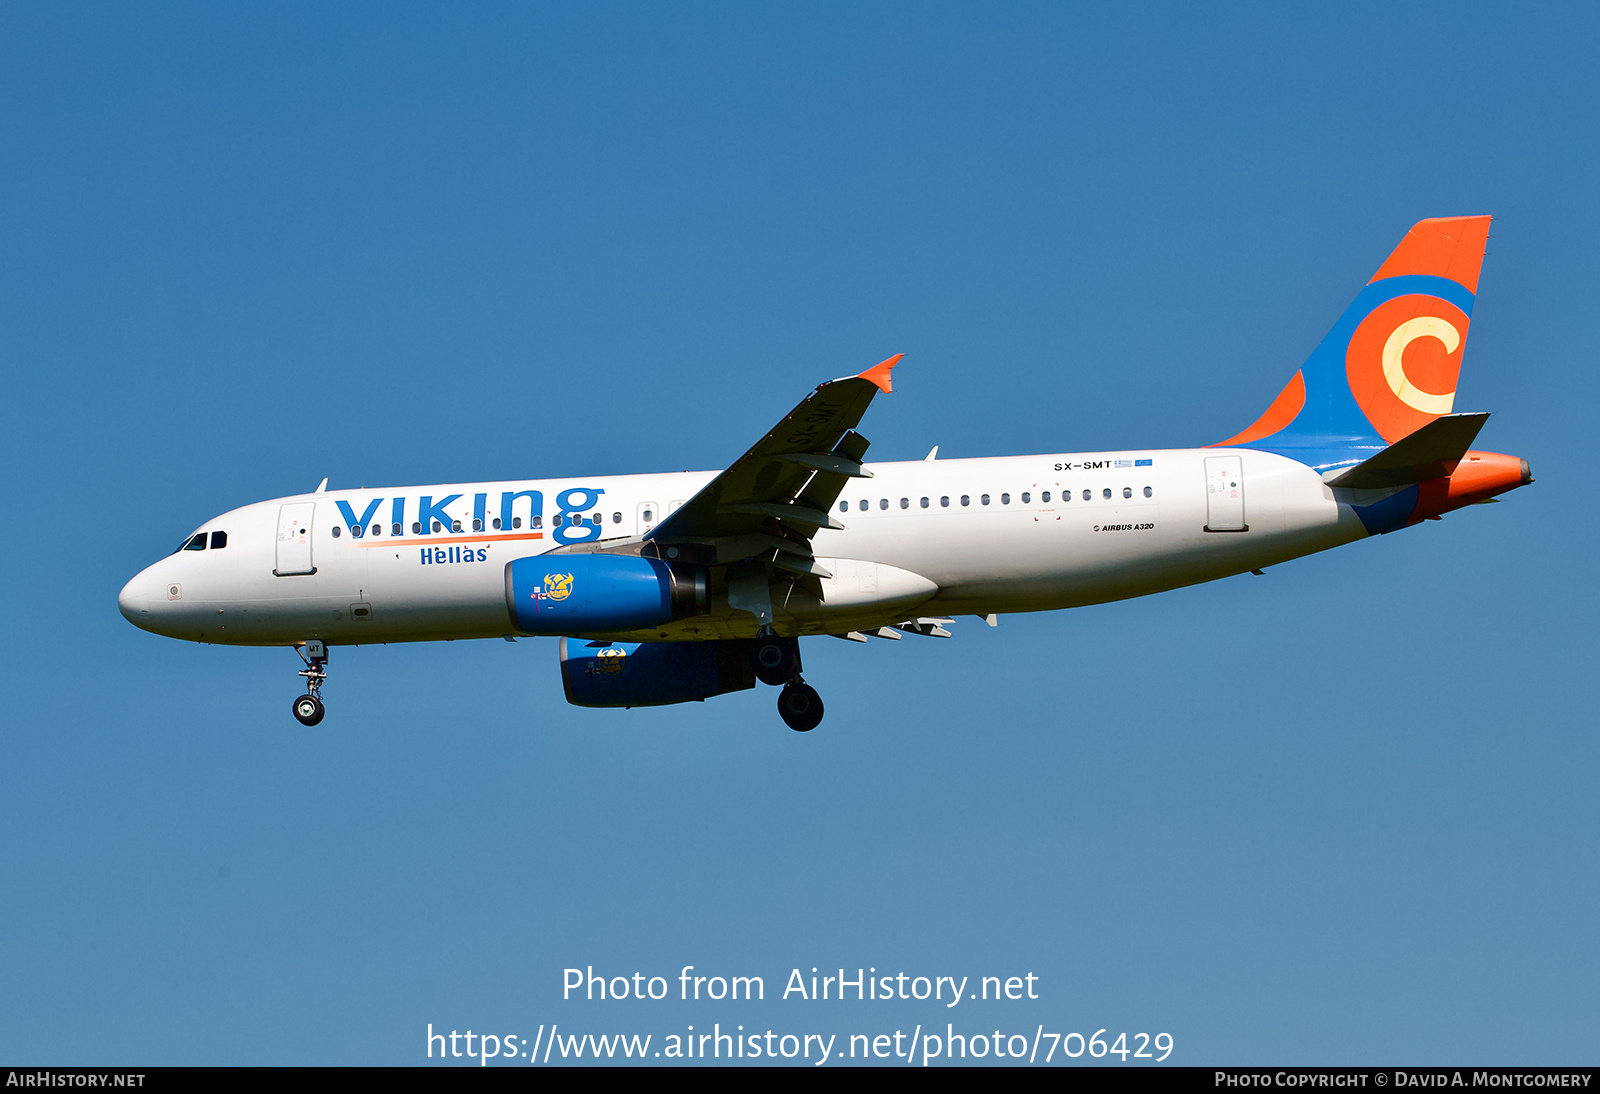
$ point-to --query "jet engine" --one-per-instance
(585, 593)
(649, 674)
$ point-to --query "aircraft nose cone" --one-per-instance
(134, 600)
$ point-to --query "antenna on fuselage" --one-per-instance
(321, 486)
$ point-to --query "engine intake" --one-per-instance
(588, 593)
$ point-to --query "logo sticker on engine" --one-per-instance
(556, 587)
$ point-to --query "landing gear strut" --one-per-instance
(308, 709)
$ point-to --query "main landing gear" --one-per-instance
(308, 709)
(799, 705)
(776, 659)
(777, 662)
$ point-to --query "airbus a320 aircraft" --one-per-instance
(668, 588)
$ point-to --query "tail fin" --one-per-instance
(1389, 365)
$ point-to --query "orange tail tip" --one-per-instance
(879, 373)
(1449, 247)
(1478, 477)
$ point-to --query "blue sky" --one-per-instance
(1343, 813)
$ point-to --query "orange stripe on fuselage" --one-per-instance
(447, 538)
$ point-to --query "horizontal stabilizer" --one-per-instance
(1432, 452)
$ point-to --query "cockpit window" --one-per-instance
(198, 543)
(219, 540)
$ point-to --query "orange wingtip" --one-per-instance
(879, 374)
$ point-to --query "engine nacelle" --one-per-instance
(586, 593)
(650, 674)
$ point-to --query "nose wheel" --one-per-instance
(308, 709)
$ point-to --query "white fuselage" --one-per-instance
(1034, 533)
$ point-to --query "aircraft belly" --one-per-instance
(359, 596)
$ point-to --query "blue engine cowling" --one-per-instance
(649, 674)
(589, 593)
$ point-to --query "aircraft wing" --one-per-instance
(783, 487)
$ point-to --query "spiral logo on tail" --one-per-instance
(1403, 361)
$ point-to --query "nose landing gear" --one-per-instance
(308, 709)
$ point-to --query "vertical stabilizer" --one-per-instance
(1389, 365)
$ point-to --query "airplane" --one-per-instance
(672, 588)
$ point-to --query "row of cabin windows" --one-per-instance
(477, 525)
(1005, 499)
(197, 542)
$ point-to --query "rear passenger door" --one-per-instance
(1225, 494)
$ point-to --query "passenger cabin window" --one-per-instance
(905, 503)
(335, 536)
(1087, 494)
(197, 542)
(1005, 499)
(516, 522)
(844, 507)
(1026, 497)
(394, 529)
(966, 499)
(616, 518)
(924, 503)
(219, 540)
(477, 525)
(455, 526)
(863, 505)
(1149, 493)
(496, 524)
(377, 529)
(416, 527)
(1044, 497)
(985, 499)
(649, 516)
(1127, 491)
(944, 503)
(883, 503)
(1106, 493)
